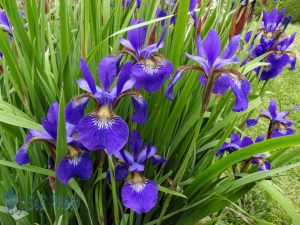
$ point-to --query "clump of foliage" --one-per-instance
(128, 108)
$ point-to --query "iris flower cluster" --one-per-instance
(102, 128)
(238, 143)
(277, 43)
(278, 126)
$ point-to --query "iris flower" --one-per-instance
(150, 69)
(213, 74)
(162, 12)
(6, 25)
(138, 193)
(102, 128)
(76, 163)
(279, 125)
(273, 24)
(126, 3)
(279, 58)
(238, 143)
(272, 40)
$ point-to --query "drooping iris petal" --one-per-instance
(121, 172)
(150, 75)
(75, 108)
(265, 166)
(292, 62)
(140, 197)
(260, 138)
(135, 143)
(221, 85)
(232, 147)
(109, 134)
(161, 13)
(241, 90)
(137, 36)
(176, 78)
(280, 133)
(140, 109)
(246, 141)
(88, 76)
(251, 122)
(107, 71)
(80, 166)
(4, 21)
(212, 46)
(193, 4)
(22, 155)
(158, 159)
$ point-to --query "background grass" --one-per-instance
(285, 89)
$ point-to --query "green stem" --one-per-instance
(131, 217)
(113, 190)
(182, 169)
(164, 209)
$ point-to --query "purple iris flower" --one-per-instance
(138, 193)
(162, 12)
(279, 125)
(213, 74)
(6, 25)
(273, 26)
(102, 128)
(151, 69)
(126, 3)
(279, 58)
(76, 163)
(238, 143)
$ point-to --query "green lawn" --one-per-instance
(285, 89)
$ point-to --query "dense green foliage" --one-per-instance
(41, 65)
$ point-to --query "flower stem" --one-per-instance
(182, 169)
(113, 190)
(131, 217)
